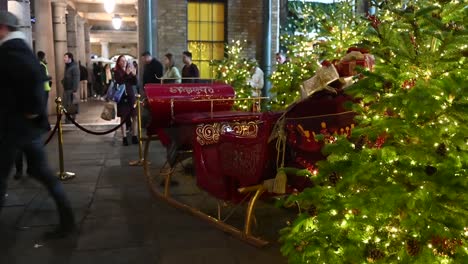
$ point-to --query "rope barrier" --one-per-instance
(52, 133)
(71, 119)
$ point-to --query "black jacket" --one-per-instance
(153, 69)
(22, 86)
(83, 73)
(71, 78)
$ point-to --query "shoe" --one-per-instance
(125, 141)
(134, 140)
(60, 232)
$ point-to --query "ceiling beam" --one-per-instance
(113, 36)
(105, 17)
(121, 9)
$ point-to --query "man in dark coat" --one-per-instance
(190, 72)
(71, 84)
(21, 117)
(153, 69)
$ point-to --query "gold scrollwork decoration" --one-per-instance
(192, 90)
(208, 134)
(245, 129)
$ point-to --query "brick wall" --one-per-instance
(172, 29)
(244, 21)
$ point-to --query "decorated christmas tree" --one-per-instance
(314, 32)
(395, 191)
(235, 70)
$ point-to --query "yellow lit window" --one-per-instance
(205, 34)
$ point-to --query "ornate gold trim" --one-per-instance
(208, 134)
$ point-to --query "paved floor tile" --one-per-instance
(147, 254)
(119, 220)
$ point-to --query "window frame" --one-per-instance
(210, 42)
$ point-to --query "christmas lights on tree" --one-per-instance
(315, 32)
(235, 70)
(398, 191)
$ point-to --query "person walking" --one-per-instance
(171, 73)
(47, 86)
(83, 82)
(21, 117)
(125, 74)
(71, 84)
(190, 72)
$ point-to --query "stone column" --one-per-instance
(60, 40)
(87, 44)
(71, 33)
(80, 41)
(105, 49)
(22, 10)
(44, 35)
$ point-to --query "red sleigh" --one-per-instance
(231, 151)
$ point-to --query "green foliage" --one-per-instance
(235, 70)
(401, 197)
(314, 32)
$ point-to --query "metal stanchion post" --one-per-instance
(140, 144)
(63, 175)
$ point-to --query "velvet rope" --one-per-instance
(51, 135)
(69, 117)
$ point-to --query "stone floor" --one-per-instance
(119, 220)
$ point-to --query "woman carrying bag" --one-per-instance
(126, 74)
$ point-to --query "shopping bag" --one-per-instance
(75, 98)
(108, 112)
(72, 109)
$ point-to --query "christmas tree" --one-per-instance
(235, 70)
(395, 191)
(315, 32)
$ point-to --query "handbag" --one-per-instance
(118, 93)
(115, 92)
(108, 112)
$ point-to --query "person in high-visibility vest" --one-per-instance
(45, 71)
